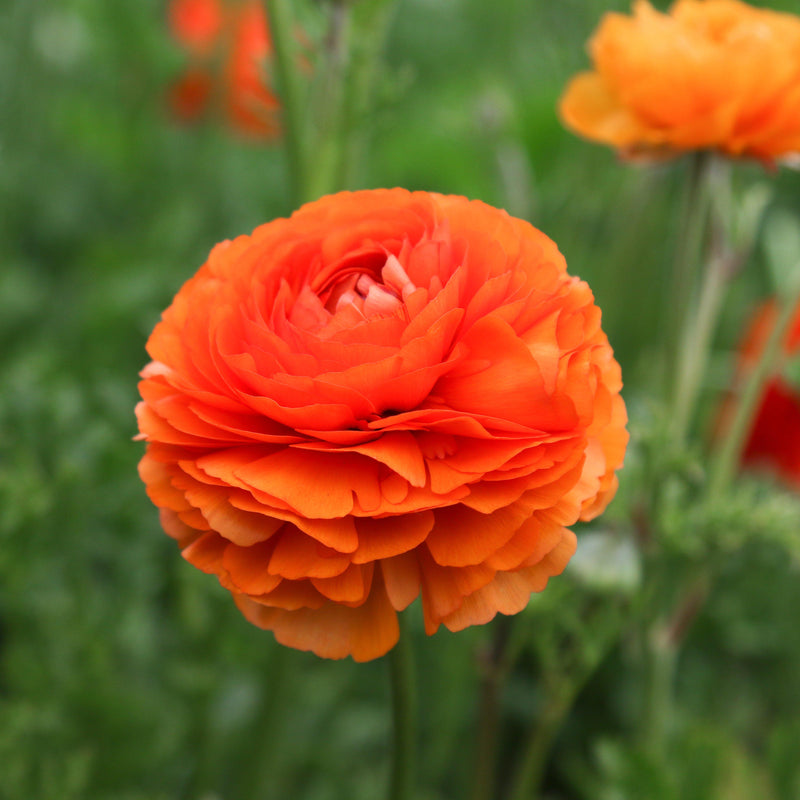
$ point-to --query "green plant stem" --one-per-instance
(698, 329)
(725, 460)
(494, 665)
(697, 344)
(370, 22)
(692, 228)
(259, 775)
(290, 90)
(531, 768)
(486, 752)
(322, 130)
(404, 703)
(561, 698)
(663, 648)
(562, 688)
(661, 658)
(330, 112)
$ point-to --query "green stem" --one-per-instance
(289, 87)
(486, 752)
(726, 459)
(687, 255)
(699, 328)
(494, 665)
(404, 701)
(530, 771)
(661, 658)
(562, 691)
(328, 126)
(697, 344)
(370, 23)
(531, 768)
(258, 776)
(663, 643)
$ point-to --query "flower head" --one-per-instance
(229, 47)
(773, 443)
(387, 395)
(196, 24)
(709, 74)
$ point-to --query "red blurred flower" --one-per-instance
(251, 105)
(774, 440)
(191, 93)
(196, 24)
(387, 395)
(229, 48)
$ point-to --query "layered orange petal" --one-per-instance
(708, 74)
(388, 395)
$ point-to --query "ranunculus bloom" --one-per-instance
(710, 74)
(387, 394)
(774, 439)
(229, 46)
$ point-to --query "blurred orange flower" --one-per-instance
(709, 74)
(229, 48)
(774, 440)
(387, 394)
(196, 24)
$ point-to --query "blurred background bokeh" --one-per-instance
(125, 673)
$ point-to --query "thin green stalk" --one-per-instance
(258, 776)
(370, 23)
(662, 636)
(531, 770)
(321, 130)
(561, 698)
(486, 750)
(699, 328)
(692, 229)
(663, 643)
(404, 707)
(494, 665)
(290, 90)
(661, 659)
(511, 635)
(696, 347)
(562, 684)
(328, 124)
(726, 459)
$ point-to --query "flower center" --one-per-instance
(368, 295)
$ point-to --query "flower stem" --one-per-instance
(289, 87)
(663, 644)
(531, 769)
(494, 665)
(370, 24)
(401, 666)
(726, 459)
(562, 684)
(699, 328)
(322, 127)
(270, 714)
(328, 125)
(661, 655)
(561, 698)
(687, 255)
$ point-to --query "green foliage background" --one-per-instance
(125, 674)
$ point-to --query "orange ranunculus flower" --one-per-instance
(387, 394)
(709, 74)
(229, 46)
(774, 439)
